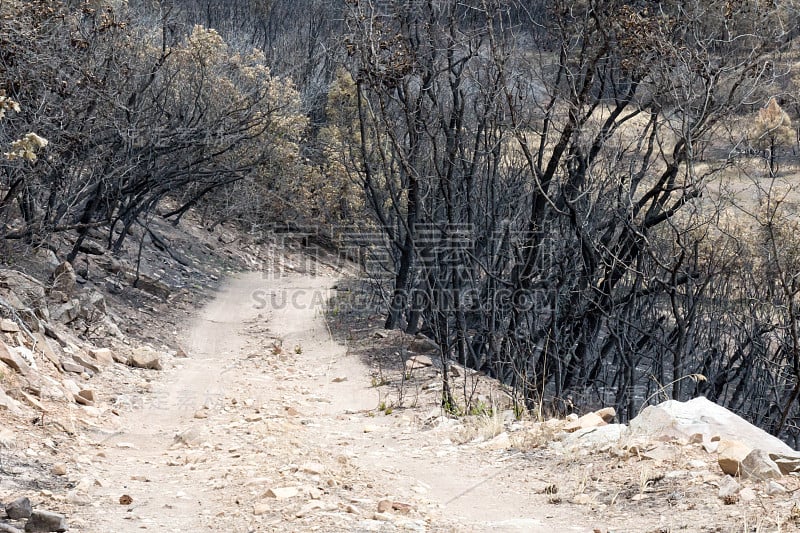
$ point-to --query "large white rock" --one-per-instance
(703, 417)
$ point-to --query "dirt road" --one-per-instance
(269, 425)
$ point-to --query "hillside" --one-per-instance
(255, 418)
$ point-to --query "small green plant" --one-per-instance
(480, 408)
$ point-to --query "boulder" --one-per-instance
(8, 326)
(701, 417)
(103, 356)
(596, 438)
(589, 420)
(90, 247)
(86, 362)
(8, 403)
(422, 344)
(93, 305)
(72, 366)
(47, 256)
(758, 466)
(45, 521)
(731, 454)
(19, 509)
(418, 361)
(607, 413)
(728, 488)
(144, 359)
(10, 357)
(152, 286)
(66, 312)
(281, 493)
(789, 464)
(64, 281)
(44, 348)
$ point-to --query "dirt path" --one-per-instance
(270, 426)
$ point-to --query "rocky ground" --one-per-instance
(274, 408)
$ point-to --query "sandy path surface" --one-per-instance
(270, 426)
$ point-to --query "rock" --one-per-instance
(384, 506)
(747, 494)
(8, 326)
(59, 469)
(661, 453)
(64, 280)
(104, 356)
(500, 442)
(66, 312)
(77, 497)
(789, 464)
(85, 397)
(181, 353)
(8, 404)
(381, 334)
(599, 438)
(698, 464)
(43, 347)
(339, 379)
(8, 528)
(10, 357)
(125, 499)
(45, 521)
(281, 493)
(91, 247)
(189, 437)
(93, 305)
(47, 256)
(22, 291)
(315, 506)
(418, 361)
(152, 286)
(589, 420)
(728, 488)
(71, 366)
(86, 362)
(7, 437)
(731, 455)
(422, 344)
(71, 386)
(55, 335)
(19, 509)
(144, 359)
(607, 414)
(261, 508)
(757, 465)
(684, 420)
(201, 414)
(773, 488)
(314, 469)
